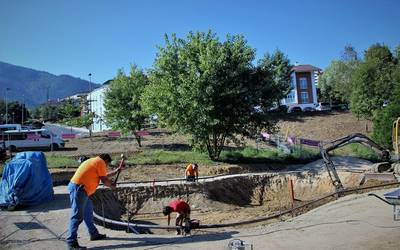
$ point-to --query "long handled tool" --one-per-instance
(121, 163)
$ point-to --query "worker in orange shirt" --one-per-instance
(192, 172)
(180, 207)
(82, 185)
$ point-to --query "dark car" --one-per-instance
(295, 110)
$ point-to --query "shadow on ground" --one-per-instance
(171, 147)
(160, 242)
(61, 201)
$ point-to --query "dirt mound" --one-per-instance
(324, 126)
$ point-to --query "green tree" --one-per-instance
(84, 121)
(384, 119)
(122, 102)
(70, 109)
(208, 89)
(336, 82)
(51, 112)
(373, 83)
(15, 112)
(349, 54)
(277, 66)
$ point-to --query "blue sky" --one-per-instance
(99, 37)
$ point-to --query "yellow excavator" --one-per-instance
(389, 160)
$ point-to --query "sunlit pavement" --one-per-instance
(352, 222)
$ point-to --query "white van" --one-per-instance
(6, 127)
(31, 139)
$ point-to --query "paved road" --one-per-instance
(351, 222)
(60, 129)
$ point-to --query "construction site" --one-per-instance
(335, 202)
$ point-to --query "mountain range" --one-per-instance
(35, 87)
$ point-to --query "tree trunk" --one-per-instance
(138, 139)
(215, 144)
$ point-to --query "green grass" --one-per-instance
(169, 157)
(252, 155)
(61, 162)
(245, 155)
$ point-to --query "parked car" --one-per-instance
(280, 109)
(31, 139)
(308, 109)
(324, 106)
(339, 106)
(295, 109)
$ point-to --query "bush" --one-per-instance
(383, 122)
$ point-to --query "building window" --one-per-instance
(290, 98)
(304, 97)
(303, 83)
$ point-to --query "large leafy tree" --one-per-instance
(208, 89)
(277, 66)
(384, 119)
(336, 82)
(373, 82)
(122, 102)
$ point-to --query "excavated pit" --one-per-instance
(220, 199)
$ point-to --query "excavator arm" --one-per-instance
(353, 138)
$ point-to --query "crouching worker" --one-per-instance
(192, 172)
(82, 185)
(180, 207)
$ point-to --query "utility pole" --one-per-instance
(22, 109)
(47, 94)
(7, 89)
(90, 103)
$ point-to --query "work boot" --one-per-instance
(76, 246)
(98, 237)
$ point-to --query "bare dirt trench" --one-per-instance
(223, 199)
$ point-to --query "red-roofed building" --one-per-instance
(304, 87)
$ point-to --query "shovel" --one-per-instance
(121, 163)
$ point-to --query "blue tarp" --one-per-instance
(26, 181)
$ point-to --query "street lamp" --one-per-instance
(22, 109)
(90, 102)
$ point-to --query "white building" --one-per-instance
(96, 105)
(304, 80)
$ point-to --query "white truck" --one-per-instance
(31, 139)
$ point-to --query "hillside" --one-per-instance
(325, 126)
(33, 84)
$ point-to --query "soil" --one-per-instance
(324, 126)
(239, 199)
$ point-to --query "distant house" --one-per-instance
(96, 105)
(304, 80)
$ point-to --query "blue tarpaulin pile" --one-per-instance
(26, 181)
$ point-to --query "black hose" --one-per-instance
(232, 224)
